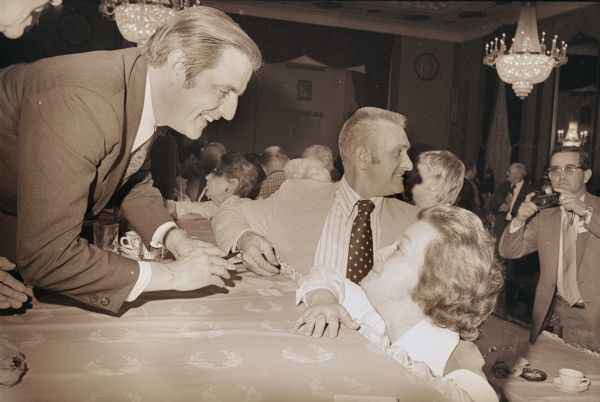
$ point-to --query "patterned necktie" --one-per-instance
(570, 290)
(137, 158)
(360, 252)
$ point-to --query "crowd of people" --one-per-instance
(410, 267)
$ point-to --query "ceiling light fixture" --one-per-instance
(138, 20)
(528, 61)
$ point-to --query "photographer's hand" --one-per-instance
(571, 202)
(526, 210)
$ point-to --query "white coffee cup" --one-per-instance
(572, 379)
(132, 244)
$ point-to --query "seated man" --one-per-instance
(428, 294)
(310, 223)
(273, 160)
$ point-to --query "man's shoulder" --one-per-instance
(593, 200)
(399, 207)
(303, 185)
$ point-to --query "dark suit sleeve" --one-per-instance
(63, 137)
(143, 205)
(521, 242)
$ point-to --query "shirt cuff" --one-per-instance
(302, 291)
(159, 234)
(142, 281)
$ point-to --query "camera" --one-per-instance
(546, 197)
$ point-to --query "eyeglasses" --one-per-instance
(569, 169)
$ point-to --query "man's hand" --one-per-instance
(178, 243)
(571, 202)
(526, 210)
(13, 293)
(195, 270)
(258, 254)
(323, 312)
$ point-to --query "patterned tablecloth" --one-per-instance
(206, 345)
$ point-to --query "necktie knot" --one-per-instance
(512, 188)
(365, 207)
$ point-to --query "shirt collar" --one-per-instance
(347, 197)
(440, 344)
(147, 121)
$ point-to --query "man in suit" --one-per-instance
(505, 204)
(74, 132)
(509, 196)
(310, 223)
(568, 242)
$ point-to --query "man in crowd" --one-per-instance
(273, 160)
(75, 131)
(505, 204)
(509, 196)
(568, 242)
(311, 223)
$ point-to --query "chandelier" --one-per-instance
(138, 20)
(528, 61)
(574, 138)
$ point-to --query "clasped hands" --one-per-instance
(198, 264)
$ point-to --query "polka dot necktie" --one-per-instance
(360, 250)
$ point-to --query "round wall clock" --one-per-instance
(427, 66)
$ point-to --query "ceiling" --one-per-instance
(454, 21)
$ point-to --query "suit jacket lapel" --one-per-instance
(135, 84)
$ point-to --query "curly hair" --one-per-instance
(304, 168)
(461, 278)
(448, 174)
(235, 166)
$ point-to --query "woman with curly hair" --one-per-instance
(432, 290)
(232, 179)
(436, 179)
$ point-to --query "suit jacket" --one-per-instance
(542, 233)
(293, 218)
(66, 133)
(499, 197)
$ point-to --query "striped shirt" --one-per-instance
(332, 249)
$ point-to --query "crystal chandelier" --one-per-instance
(574, 138)
(528, 61)
(138, 20)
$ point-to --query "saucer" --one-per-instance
(579, 388)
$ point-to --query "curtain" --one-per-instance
(498, 150)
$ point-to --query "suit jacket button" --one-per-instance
(94, 299)
(105, 301)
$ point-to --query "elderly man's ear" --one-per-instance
(364, 156)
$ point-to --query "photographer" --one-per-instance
(568, 241)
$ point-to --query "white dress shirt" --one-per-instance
(332, 248)
(144, 133)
